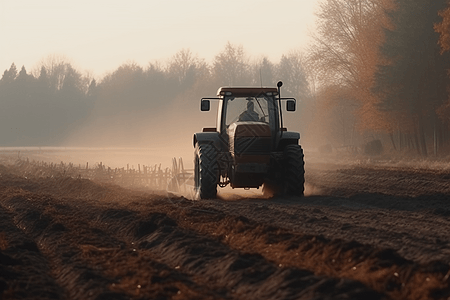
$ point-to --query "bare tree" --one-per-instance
(185, 66)
(345, 49)
(231, 66)
(57, 67)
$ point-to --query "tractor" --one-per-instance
(249, 147)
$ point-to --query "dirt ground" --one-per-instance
(363, 231)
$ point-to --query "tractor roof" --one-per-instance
(246, 91)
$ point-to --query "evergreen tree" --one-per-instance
(9, 75)
(264, 73)
(412, 84)
(292, 72)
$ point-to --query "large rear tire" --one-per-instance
(294, 170)
(206, 172)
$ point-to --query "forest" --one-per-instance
(375, 69)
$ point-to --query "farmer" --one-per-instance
(249, 114)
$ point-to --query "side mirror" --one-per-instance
(204, 105)
(290, 105)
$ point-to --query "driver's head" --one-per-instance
(250, 106)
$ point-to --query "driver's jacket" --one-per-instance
(249, 116)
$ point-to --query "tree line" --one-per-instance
(376, 69)
(42, 109)
(47, 105)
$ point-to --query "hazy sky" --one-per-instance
(100, 35)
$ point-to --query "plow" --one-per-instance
(182, 181)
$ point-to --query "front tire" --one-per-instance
(206, 173)
(294, 170)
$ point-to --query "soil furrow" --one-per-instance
(233, 273)
(25, 272)
(92, 264)
(368, 232)
(384, 270)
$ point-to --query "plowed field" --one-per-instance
(362, 232)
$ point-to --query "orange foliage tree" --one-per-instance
(443, 28)
(345, 54)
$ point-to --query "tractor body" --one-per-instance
(249, 147)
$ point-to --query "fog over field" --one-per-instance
(131, 76)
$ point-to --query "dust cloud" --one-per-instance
(147, 138)
(230, 194)
(311, 190)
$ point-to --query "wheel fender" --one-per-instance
(288, 138)
(206, 137)
(290, 135)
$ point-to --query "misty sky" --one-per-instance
(100, 35)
